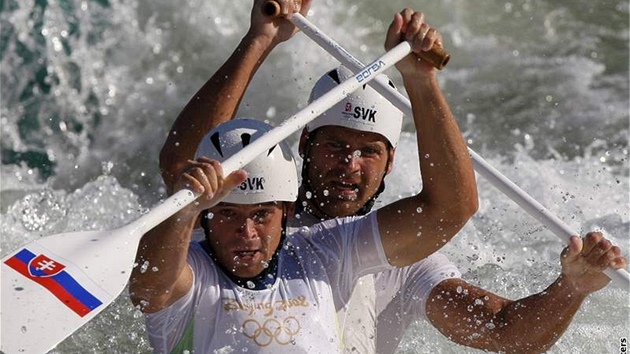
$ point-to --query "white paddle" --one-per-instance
(501, 182)
(53, 286)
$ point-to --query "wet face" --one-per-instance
(244, 237)
(345, 168)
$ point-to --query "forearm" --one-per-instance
(216, 102)
(447, 174)
(535, 323)
(415, 227)
(161, 262)
(449, 192)
(539, 320)
(477, 318)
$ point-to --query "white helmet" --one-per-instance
(272, 176)
(364, 109)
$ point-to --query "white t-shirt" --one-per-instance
(383, 305)
(318, 268)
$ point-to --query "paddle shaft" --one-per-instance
(437, 56)
(184, 197)
(501, 182)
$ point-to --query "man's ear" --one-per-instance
(390, 160)
(302, 147)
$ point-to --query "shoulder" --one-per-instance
(436, 265)
(199, 260)
(339, 228)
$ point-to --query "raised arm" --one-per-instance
(162, 274)
(218, 99)
(474, 317)
(413, 228)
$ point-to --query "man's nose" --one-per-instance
(351, 160)
(247, 229)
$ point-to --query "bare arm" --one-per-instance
(218, 99)
(474, 317)
(162, 274)
(415, 227)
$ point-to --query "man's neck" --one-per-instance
(306, 203)
(264, 280)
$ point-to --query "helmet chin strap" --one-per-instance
(367, 207)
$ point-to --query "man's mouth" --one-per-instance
(245, 256)
(345, 190)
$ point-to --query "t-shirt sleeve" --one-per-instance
(402, 295)
(348, 248)
(168, 327)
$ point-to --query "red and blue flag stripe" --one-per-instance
(60, 283)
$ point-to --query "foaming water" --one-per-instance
(540, 89)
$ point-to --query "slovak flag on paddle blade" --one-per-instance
(42, 266)
(57, 279)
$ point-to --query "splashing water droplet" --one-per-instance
(271, 112)
(137, 313)
(107, 167)
(144, 267)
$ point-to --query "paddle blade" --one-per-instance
(53, 286)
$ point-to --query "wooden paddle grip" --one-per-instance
(437, 56)
(271, 8)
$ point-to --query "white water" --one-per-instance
(540, 89)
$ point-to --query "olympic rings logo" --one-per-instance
(282, 332)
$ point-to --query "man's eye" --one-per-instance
(227, 213)
(333, 145)
(370, 151)
(261, 216)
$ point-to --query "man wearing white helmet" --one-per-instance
(347, 153)
(364, 123)
(248, 286)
